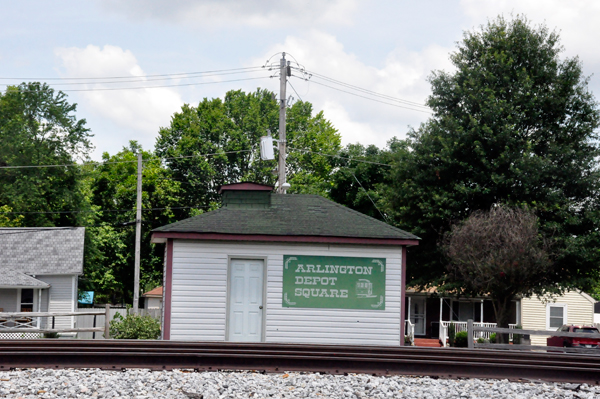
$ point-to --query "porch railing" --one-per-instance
(462, 326)
(29, 324)
(410, 332)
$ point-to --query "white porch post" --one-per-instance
(408, 317)
(441, 309)
(518, 303)
(481, 312)
(39, 308)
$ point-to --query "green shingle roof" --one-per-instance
(290, 215)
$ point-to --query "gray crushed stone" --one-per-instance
(184, 384)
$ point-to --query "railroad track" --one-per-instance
(335, 359)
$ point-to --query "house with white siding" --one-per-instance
(551, 313)
(39, 268)
(430, 313)
(283, 268)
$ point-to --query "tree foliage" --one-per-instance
(500, 254)
(515, 124)
(113, 194)
(38, 127)
(230, 130)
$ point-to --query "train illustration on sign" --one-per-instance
(364, 288)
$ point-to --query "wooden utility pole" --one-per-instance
(283, 74)
(138, 236)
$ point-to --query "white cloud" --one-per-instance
(137, 114)
(234, 13)
(576, 20)
(403, 75)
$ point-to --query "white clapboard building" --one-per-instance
(278, 268)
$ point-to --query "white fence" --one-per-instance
(88, 321)
(31, 325)
(462, 326)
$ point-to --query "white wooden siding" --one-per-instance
(579, 308)
(8, 300)
(199, 299)
(61, 298)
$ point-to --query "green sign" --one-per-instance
(340, 282)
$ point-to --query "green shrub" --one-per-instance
(134, 326)
(451, 333)
(461, 339)
(493, 338)
(481, 340)
(517, 337)
(51, 335)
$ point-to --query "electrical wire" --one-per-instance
(102, 210)
(141, 76)
(161, 86)
(292, 86)
(118, 162)
(143, 80)
(341, 157)
(371, 199)
(372, 99)
(366, 91)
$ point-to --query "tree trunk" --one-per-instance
(502, 310)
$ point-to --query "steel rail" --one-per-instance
(336, 359)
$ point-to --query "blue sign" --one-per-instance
(86, 297)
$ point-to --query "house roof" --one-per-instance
(11, 278)
(245, 186)
(290, 215)
(156, 292)
(36, 250)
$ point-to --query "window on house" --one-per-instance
(27, 300)
(557, 316)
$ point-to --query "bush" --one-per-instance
(461, 339)
(481, 340)
(517, 337)
(408, 340)
(51, 335)
(134, 326)
(451, 333)
(493, 338)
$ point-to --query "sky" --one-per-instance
(386, 47)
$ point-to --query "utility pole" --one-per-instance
(284, 71)
(138, 236)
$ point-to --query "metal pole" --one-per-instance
(282, 110)
(138, 236)
(107, 321)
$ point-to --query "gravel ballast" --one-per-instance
(93, 383)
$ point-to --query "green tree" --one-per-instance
(230, 130)
(362, 176)
(516, 124)
(499, 253)
(38, 127)
(113, 192)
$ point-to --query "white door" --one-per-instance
(246, 300)
(417, 315)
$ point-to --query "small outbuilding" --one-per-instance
(39, 268)
(269, 267)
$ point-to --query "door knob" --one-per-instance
(260, 307)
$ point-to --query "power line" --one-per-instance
(372, 99)
(102, 210)
(341, 157)
(141, 76)
(161, 86)
(143, 79)
(293, 88)
(118, 162)
(366, 91)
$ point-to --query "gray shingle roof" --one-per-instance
(11, 278)
(291, 215)
(35, 250)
